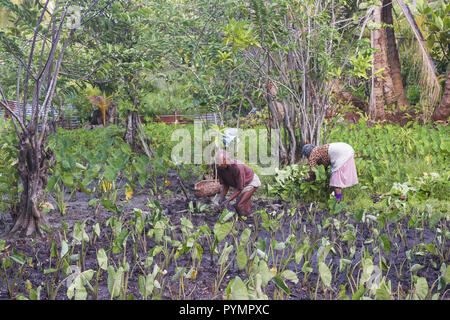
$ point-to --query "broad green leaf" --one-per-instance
(79, 232)
(179, 272)
(382, 294)
(325, 274)
(96, 229)
(102, 259)
(238, 290)
(18, 258)
(421, 288)
(64, 248)
(265, 272)
(289, 275)
(385, 242)
(368, 269)
(241, 257)
(358, 294)
(50, 270)
(280, 284)
(226, 215)
(225, 253)
(416, 268)
(245, 235)
(447, 275)
(222, 230)
(114, 281)
(186, 223)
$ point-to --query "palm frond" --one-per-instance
(431, 88)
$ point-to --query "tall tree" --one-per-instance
(442, 111)
(436, 23)
(382, 85)
(431, 88)
(394, 59)
(302, 50)
(38, 52)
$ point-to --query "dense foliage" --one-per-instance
(387, 157)
(138, 232)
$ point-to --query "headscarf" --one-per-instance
(307, 149)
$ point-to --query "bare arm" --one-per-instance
(223, 193)
(234, 195)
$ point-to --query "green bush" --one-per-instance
(289, 187)
(9, 176)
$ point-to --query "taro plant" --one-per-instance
(64, 257)
(325, 275)
(67, 173)
(289, 186)
(148, 283)
(223, 266)
(139, 222)
(180, 273)
(13, 266)
(189, 244)
(117, 280)
(81, 237)
(207, 235)
(421, 289)
(243, 250)
(33, 294)
(303, 252)
(254, 287)
(81, 281)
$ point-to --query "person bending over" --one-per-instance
(235, 174)
(340, 156)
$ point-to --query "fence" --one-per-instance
(68, 120)
(208, 118)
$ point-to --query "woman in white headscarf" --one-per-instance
(340, 156)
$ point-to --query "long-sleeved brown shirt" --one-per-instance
(319, 155)
(236, 175)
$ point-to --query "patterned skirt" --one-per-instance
(345, 176)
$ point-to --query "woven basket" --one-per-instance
(206, 188)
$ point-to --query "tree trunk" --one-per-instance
(442, 111)
(377, 99)
(382, 84)
(33, 166)
(131, 131)
(113, 114)
(394, 59)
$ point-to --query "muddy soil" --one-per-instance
(175, 205)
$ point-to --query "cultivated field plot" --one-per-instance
(169, 249)
(111, 112)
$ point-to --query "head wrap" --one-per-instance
(306, 150)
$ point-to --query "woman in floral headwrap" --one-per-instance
(340, 156)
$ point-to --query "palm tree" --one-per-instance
(386, 84)
(382, 85)
(394, 60)
(442, 111)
